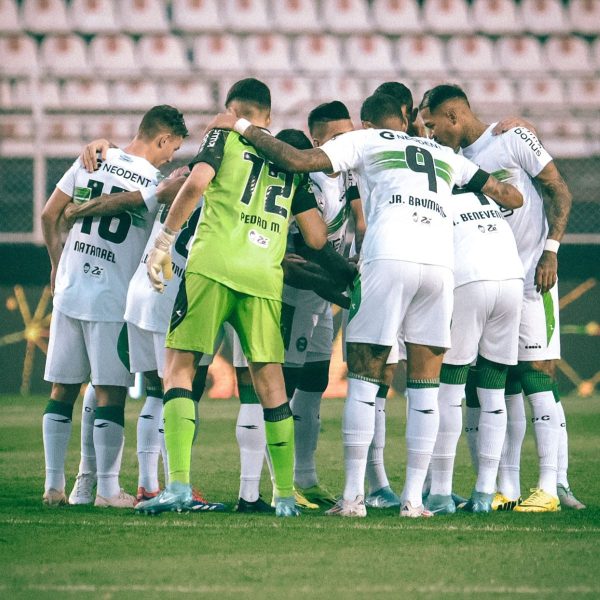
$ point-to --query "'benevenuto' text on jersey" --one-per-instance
(101, 253)
(516, 157)
(242, 237)
(145, 308)
(484, 245)
(405, 185)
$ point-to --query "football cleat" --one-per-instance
(439, 504)
(54, 498)
(121, 500)
(144, 494)
(349, 508)
(567, 498)
(458, 500)
(83, 490)
(478, 503)
(200, 504)
(414, 512)
(501, 502)
(286, 507)
(175, 497)
(258, 506)
(539, 501)
(383, 498)
(317, 494)
(301, 501)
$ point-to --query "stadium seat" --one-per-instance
(564, 137)
(162, 54)
(318, 54)
(596, 54)
(296, 16)
(137, 94)
(9, 17)
(61, 128)
(348, 89)
(473, 54)
(196, 16)
(64, 55)
(217, 53)
(422, 54)
(446, 16)
(266, 53)
(87, 94)
(44, 16)
(369, 54)
(569, 55)
(93, 16)
(143, 16)
(14, 128)
(116, 128)
(346, 16)
(396, 17)
(6, 94)
(541, 94)
(291, 94)
(583, 93)
(492, 95)
(19, 55)
(520, 55)
(419, 85)
(496, 17)
(584, 16)
(188, 94)
(48, 90)
(243, 16)
(113, 55)
(543, 17)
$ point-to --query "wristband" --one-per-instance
(241, 125)
(551, 245)
(164, 239)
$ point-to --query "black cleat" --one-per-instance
(259, 506)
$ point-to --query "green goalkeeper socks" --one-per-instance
(279, 429)
(180, 423)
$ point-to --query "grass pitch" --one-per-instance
(106, 553)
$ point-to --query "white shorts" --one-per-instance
(395, 297)
(78, 350)
(539, 332)
(146, 350)
(485, 321)
(301, 325)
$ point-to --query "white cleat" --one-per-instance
(415, 512)
(83, 490)
(349, 508)
(54, 497)
(567, 498)
(121, 500)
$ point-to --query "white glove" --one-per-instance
(159, 259)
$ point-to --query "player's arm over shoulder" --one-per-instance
(526, 150)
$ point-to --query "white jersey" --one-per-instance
(101, 253)
(406, 186)
(516, 157)
(484, 245)
(146, 308)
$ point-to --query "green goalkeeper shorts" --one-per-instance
(203, 305)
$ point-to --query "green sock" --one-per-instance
(247, 394)
(490, 375)
(454, 374)
(180, 423)
(279, 429)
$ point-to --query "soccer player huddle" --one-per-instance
(452, 268)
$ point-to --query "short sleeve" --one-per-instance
(344, 151)
(150, 197)
(67, 181)
(352, 192)
(304, 198)
(212, 149)
(464, 170)
(527, 150)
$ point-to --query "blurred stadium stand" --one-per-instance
(72, 70)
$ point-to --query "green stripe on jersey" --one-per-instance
(549, 315)
(443, 171)
(338, 220)
(501, 174)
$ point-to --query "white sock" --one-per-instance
(422, 425)
(56, 429)
(250, 434)
(358, 427)
(307, 425)
(472, 431)
(87, 463)
(546, 427)
(492, 431)
(148, 443)
(563, 447)
(509, 471)
(376, 475)
(444, 452)
(109, 439)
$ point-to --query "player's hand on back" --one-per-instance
(158, 265)
(225, 120)
(546, 272)
(89, 156)
(509, 123)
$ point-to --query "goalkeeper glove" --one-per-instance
(159, 259)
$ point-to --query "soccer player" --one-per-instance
(89, 281)
(406, 276)
(518, 156)
(233, 274)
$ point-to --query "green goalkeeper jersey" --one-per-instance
(242, 235)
